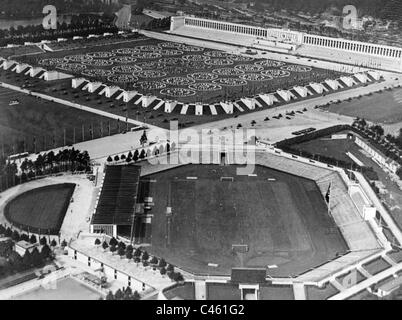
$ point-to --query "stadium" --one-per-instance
(274, 227)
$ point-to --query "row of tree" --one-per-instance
(388, 144)
(137, 255)
(64, 160)
(80, 25)
(31, 259)
(33, 8)
(15, 236)
(123, 294)
(145, 153)
(48, 163)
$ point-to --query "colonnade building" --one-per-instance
(356, 53)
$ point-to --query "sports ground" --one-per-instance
(281, 218)
(40, 210)
(37, 125)
(384, 107)
(177, 71)
(334, 148)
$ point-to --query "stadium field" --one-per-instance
(179, 72)
(282, 219)
(36, 124)
(40, 210)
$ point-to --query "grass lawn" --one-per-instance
(45, 122)
(376, 266)
(185, 292)
(379, 107)
(315, 293)
(284, 222)
(276, 292)
(335, 148)
(42, 210)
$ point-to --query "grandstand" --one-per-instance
(116, 203)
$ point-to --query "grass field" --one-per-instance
(283, 222)
(40, 210)
(41, 122)
(335, 148)
(385, 107)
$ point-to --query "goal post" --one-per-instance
(240, 248)
(229, 179)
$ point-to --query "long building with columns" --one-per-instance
(279, 40)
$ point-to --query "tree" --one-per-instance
(129, 255)
(137, 252)
(144, 138)
(27, 259)
(154, 260)
(109, 159)
(145, 256)
(170, 268)
(15, 260)
(162, 263)
(43, 241)
(121, 252)
(8, 232)
(97, 242)
(64, 243)
(113, 242)
(105, 245)
(112, 248)
(136, 295)
(24, 237)
(122, 245)
(110, 296)
(33, 239)
(177, 276)
(15, 236)
(136, 155)
(163, 271)
(36, 258)
(127, 293)
(118, 295)
(45, 252)
(53, 243)
(116, 158)
(142, 154)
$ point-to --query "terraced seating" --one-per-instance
(118, 196)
